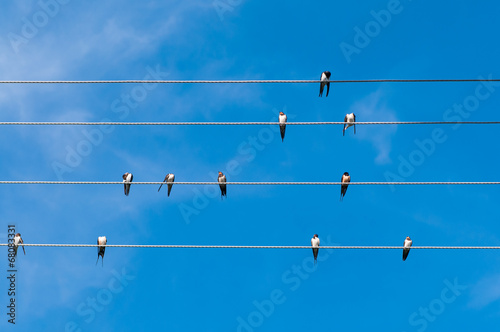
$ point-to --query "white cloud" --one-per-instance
(373, 108)
(485, 292)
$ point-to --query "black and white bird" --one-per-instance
(282, 120)
(169, 179)
(222, 185)
(17, 242)
(325, 80)
(101, 242)
(349, 120)
(346, 178)
(406, 249)
(127, 180)
(315, 246)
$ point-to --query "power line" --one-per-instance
(189, 246)
(255, 183)
(251, 81)
(243, 123)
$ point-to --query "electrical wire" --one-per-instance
(255, 183)
(248, 81)
(244, 123)
(189, 246)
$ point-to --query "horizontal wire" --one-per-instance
(252, 81)
(247, 247)
(240, 123)
(258, 183)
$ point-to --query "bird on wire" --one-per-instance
(222, 185)
(169, 179)
(346, 178)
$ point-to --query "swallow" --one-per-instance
(282, 125)
(18, 241)
(325, 80)
(127, 180)
(349, 120)
(406, 249)
(346, 178)
(169, 179)
(222, 185)
(315, 246)
(101, 242)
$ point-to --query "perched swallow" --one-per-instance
(325, 80)
(18, 241)
(406, 249)
(169, 179)
(101, 241)
(346, 178)
(222, 185)
(282, 125)
(315, 246)
(349, 120)
(127, 180)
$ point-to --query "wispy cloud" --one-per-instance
(485, 292)
(373, 108)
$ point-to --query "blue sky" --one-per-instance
(251, 290)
